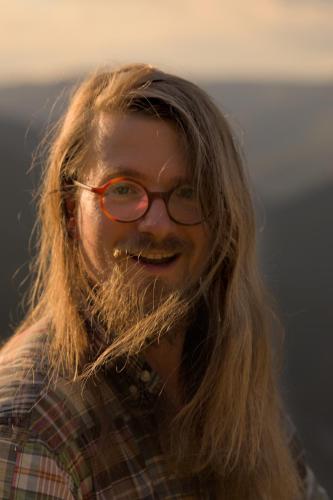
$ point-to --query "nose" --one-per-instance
(156, 221)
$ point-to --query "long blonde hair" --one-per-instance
(232, 420)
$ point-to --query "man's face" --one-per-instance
(148, 151)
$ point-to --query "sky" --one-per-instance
(43, 40)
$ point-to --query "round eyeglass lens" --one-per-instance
(184, 205)
(125, 200)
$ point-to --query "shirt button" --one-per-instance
(145, 376)
(134, 391)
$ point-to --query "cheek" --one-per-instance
(92, 233)
(90, 223)
(201, 240)
(98, 237)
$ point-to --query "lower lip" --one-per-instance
(157, 268)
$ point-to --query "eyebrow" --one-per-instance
(111, 171)
(123, 171)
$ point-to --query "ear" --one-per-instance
(70, 210)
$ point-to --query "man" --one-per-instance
(144, 369)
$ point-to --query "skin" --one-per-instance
(152, 150)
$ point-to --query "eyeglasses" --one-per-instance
(124, 200)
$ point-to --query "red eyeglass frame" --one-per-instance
(151, 195)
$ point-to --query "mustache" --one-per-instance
(145, 242)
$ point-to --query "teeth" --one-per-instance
(146, 255)
(156, 256)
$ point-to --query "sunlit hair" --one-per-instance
(231, 424)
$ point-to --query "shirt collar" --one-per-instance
(134, 373)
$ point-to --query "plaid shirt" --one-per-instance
(47, 434)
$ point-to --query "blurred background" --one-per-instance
(269, 65)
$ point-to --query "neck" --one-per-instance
(164, 356)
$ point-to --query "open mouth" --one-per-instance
(155, 261)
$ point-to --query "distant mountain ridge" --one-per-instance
(284, 128)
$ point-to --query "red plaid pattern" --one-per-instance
(48, 435)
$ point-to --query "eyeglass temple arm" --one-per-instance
(84, 186)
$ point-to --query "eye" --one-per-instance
(124, 189)
(185, 192)
(121, 189)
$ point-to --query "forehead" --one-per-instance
(151, 148)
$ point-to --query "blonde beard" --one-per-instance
(135, 310)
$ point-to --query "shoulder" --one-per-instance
(22, 376)
(30, 397)
(59, 413)
(28, 465)
(47, 430)
(312, 489)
